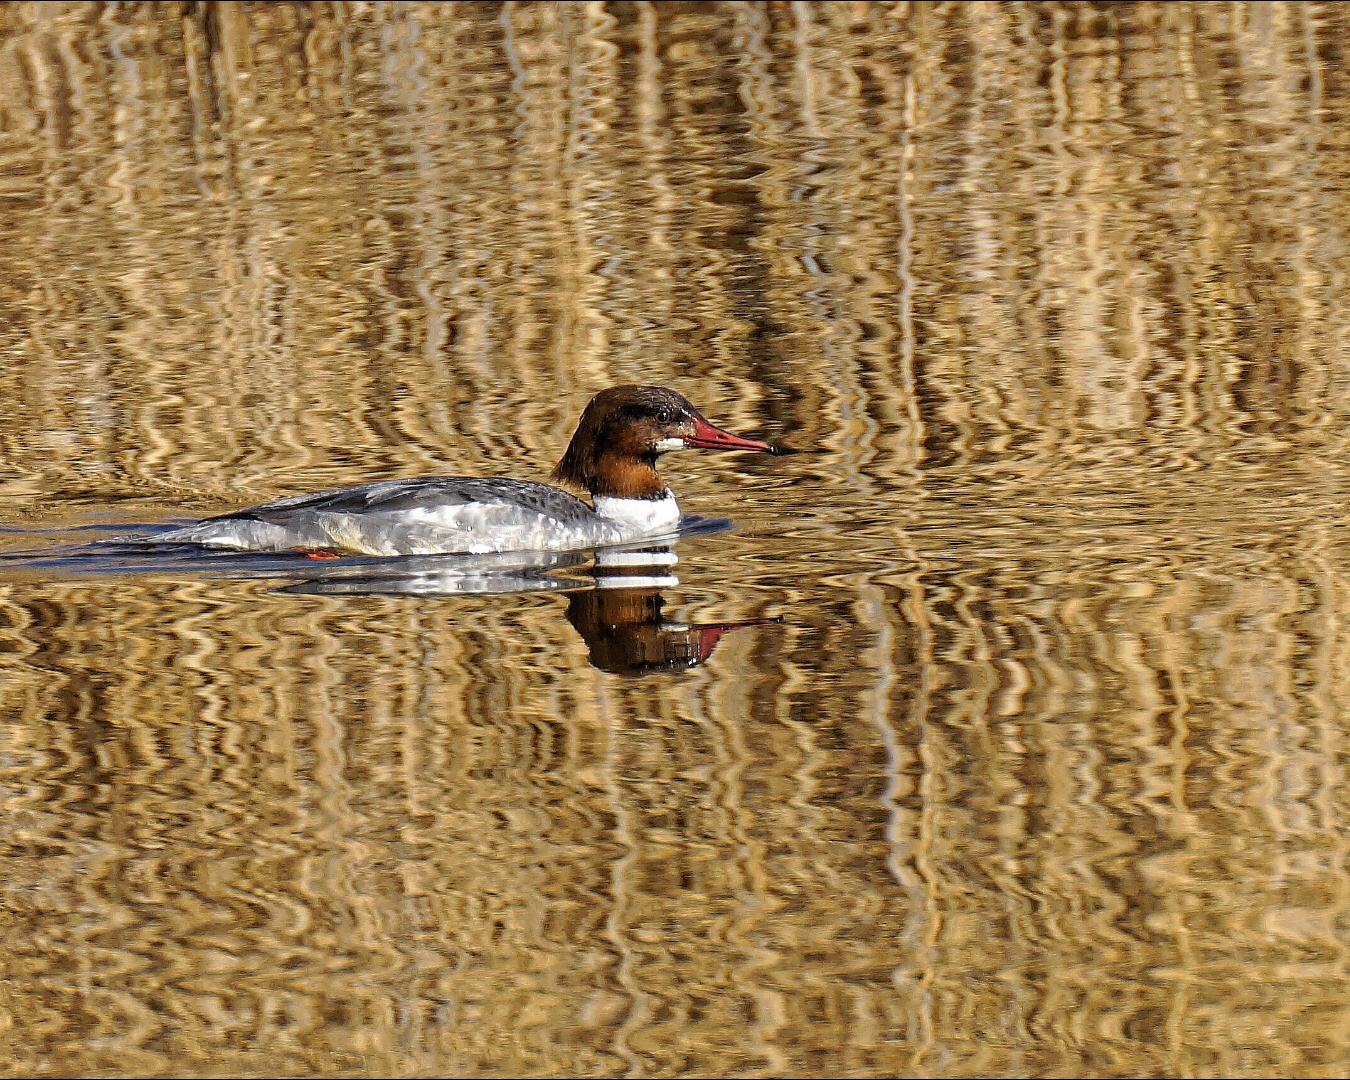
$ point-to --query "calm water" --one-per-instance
(1031, 755)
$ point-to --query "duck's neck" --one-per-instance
(618, 476)
(630, 493)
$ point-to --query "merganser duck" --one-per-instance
(612, 456)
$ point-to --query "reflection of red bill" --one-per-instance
(709, 636)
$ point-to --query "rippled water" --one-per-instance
(1006, 734)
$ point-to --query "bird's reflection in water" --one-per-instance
(621, 622)
(444, 575)
(615, 605)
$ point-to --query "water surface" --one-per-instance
(1030, 756)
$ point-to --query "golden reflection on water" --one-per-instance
(1043, 770)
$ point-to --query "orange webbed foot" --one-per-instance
(317, 553)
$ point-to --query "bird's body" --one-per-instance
(429, 516)
(612, 455)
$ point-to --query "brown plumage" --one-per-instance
(621, 434)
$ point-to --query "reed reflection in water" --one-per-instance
(1042, 771)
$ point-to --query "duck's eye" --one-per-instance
(665, 414)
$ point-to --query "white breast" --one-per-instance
(640, 517)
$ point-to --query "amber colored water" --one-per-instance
(1041, 769)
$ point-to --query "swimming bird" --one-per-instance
(612, 456)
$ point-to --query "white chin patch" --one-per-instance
(666, 445)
